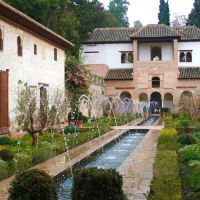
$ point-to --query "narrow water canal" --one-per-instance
(111, 157)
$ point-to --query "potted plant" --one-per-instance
(163, 111)
(75, 118)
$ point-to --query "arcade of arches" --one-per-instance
(155, 101)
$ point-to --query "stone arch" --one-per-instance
(130, 57)
(126, 105)
(156, 53)
(155, 102)
(123, 58)
(186, 101)
(182, 57)
(168, 101)
(188, 57)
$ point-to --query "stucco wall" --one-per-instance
(108, 54)
(195, 47)
(30, 68)
(145, 50)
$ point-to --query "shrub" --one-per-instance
(71, 129)
(75, 115)
(4, 170)
(6, 155)
(168, 139)
(5, 140)
(166, 183)
(85, 119)
(97, 184)
(186, 140)
(23, 162)
(33, 184)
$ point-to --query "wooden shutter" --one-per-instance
(4, 115)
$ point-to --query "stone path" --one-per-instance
(60, 163)
(137, 170)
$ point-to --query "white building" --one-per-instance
(155, 63)
(29, 52)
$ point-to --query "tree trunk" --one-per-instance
(34, 139)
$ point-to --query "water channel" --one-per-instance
(111, 157)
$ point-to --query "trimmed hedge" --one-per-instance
(5, 140)
(97, 184)
(166, 183)
(33, 184)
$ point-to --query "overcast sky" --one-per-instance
(147, 10)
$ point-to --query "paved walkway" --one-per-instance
(60, 163)
(137, 170)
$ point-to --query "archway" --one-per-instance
(143, 100)
(168, 101)
(186, 101)
(155, 102)
(126, 105)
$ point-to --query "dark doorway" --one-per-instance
(155, 102)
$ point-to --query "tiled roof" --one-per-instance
(155, 30)
(188, 32)
(111, 35)
(25, 21)
(106, 35)
(120, 74)
(189, 73)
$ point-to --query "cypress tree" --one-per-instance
(194, 16)
(163, 15)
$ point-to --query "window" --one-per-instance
(156, 53)
(155, 82)
(1, 40)
(123, 58)
(55, 54)
(126, 57)
(35, 49)
(19, 46)
(130, 57)
(185, 56)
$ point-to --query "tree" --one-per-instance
(35, 114)
(119, 9)
(194, 16)
(179, 20)
(137, 24)
(163, 15)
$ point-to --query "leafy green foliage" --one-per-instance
(166, 183)
(33, 184)
(97, 184)
(119, 9)
(186, 140)
(194, 16)
(71, 129)
(6, 155)
(75, 115)
(85, 119)
(23, 162)
(163, 15)
(5, 140)
(4, 170)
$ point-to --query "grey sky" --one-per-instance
(147, 10)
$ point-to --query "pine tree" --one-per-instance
(194, 16)
(163, 15)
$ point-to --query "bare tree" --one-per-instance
(179, 20)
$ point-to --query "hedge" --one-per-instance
(166, 183)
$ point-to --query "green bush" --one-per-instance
(168, 139)
(71, 129)
(166, 183)
(85, 119)
(6, 155)
(4, 170)
(23, 162)
(75, 115)
(97, 184)
(191, 152)
(33, 184)
(5, 140)
(186, 140)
